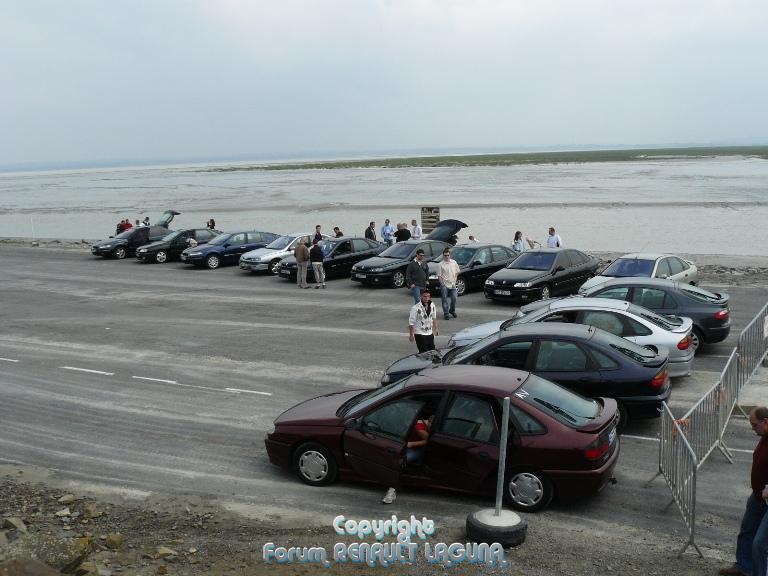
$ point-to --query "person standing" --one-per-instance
(337, 232)
(370, 232)
(416, 232)
(318, 235)
(416, 274)
(422, 323)
(146, 221)
(316, 258)
(387, 232)
(447, 274)
(301, 253)
(518, 244)
(752, 542)
(473, 239)
(127, 225)
(554, 240)
(211, 224)
(402, 234)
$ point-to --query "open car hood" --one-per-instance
(166, 218)
(445, 230)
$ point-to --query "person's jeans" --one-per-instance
(319, 272)
(301, 274)
(752, 543)
(444, 293)
(416, 293)
(414, 456)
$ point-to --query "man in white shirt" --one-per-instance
(422, 323)
(447, 273)
(554, 240)
(416, 232)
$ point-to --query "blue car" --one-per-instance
(226, 248)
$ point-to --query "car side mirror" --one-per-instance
(351, 424)
(476, 263)
(663, 276)
(559, 269)
(226, 245)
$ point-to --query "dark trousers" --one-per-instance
(752, 543)
(424, 343)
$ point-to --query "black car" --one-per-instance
(339, 254)
(541, 273)
(173, 244)
(226, 248)
(388, 268)
(708, 310)
(126, 243)
(582, 358)
(476, 262)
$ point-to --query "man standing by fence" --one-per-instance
(752, 543)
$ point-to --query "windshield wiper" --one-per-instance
(344, 408)
(570, 415)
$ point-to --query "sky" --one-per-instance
(95, 81)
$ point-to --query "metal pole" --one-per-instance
(502, 455)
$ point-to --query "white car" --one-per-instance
(630, 321)
(665, 266)
(269, 258)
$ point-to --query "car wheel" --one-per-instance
(274, 266)
(212, 262)
(120, 253)
(528, 490)
(314, 464)
(623, 415)
(697, 340)
(161, 257)
(545, 292)
(398, 279)
(461, 286)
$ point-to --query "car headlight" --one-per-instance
(433, 277)
(523, 284)
(142, 250)
(195, 254)
(489, 282)
(107, 246)
(377, 269)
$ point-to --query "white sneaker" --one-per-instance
(389, 497)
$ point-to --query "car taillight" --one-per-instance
(721, 314)
(659, 379)
(597, 449)
(684, 343)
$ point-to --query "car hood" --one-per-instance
(513, 275)
(445, 230)
(592, 282)
(319, 411)
(475, 333)
(260, 253)
(156, 245)
(204, 248)
(379, 262)
(413, 363)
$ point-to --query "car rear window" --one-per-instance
(624, 267)
(563, 405)
(701, 295)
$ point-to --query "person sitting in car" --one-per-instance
(414, 448)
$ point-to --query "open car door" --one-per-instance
(166, 218)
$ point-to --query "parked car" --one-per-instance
(339, 254)
(709, 311)
(476, 262)
(560, 444)
(173, 244)
(624, 319)
(388, 268)
(268, 259)
(584, 359)
(664, 266)
(541, 273)
(226, 248)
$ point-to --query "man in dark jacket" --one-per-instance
(402, 233)
(416, 275)
(316, 258)
(370, 232)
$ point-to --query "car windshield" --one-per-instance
(624, 267)
(126, 234)
(533, 261)
(220, 239)
(281, 243)
(667, 323)
(398, 251)
(369, 397)
(458, 355)
(463, 256)
(563, 405)
(700, 294)
(172, 235)
(628, 348)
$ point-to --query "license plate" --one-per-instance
(612, 436)
(359, 275)
(504, 292)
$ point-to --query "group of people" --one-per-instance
(391, 234)
(521, 244)
(125, 224)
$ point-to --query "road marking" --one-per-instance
(87, 370)
(238, 390)
(155, 379)
(647, 439)
(8, 360)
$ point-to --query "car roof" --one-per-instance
(605, 303)
(548, 250)
(637, 281)
(300, 234)
(548, 329)
(488, 379)
(645, 256)
(477, 245)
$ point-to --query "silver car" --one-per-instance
(630, 321)
(269, 258)
(666, 266)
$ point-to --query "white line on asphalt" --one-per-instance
(647, 439)
(155, 379)
(8, 360)
(238, 390)
(87, 370)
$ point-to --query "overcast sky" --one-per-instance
(110, 80)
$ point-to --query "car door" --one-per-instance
(568, 364)
(613, 293)
(505, 354)
(582, 270)
(480, 268)
(656, 299)
(255, 240)
(463, 449)
(561, 276)
(139, 237)
(339, 262)
(374, 447)
(203, 236)
(603, 319)
(361, 250)
(662, 269)
(180, 243)
(234, 247)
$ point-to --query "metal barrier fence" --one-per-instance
(753, 343)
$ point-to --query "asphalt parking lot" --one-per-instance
(164, 378)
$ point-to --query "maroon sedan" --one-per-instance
(560, 443)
